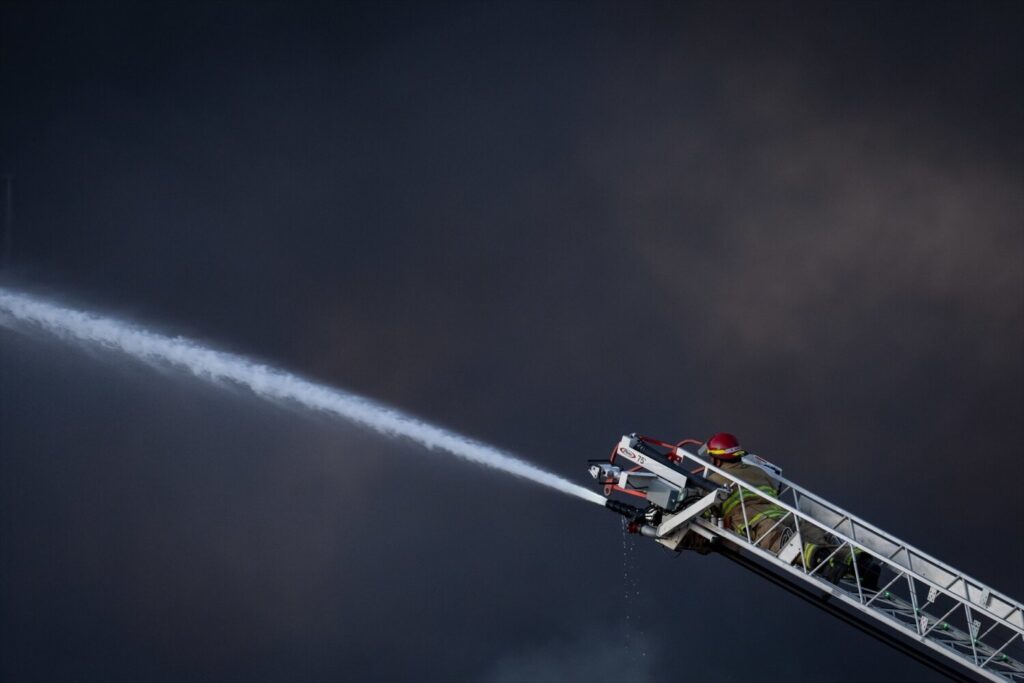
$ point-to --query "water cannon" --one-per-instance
(630, 512)
(638, 469)
(640, 520)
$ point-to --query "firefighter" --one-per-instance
(755, 517)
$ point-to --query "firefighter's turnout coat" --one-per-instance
(756, 515)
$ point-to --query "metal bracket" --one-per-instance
(672, 523)
(791, 551)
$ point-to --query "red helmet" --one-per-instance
(724, 446)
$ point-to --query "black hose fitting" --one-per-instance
(625, 509)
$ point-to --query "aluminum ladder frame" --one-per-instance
(937, 609)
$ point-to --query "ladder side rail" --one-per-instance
(974, 644)
(1011, 605)
(911, 556)
(967, 580)
(914, 613)
(968, 657)
(878, 630)
(947, 634)
(842, 512)
(978, 594)
(959, 642)
(899, 568)
(897, 543)
(804, 517)
(902, 628)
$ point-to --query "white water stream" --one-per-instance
(32, 314)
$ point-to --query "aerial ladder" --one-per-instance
(911, 601)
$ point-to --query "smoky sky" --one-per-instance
(543, 225)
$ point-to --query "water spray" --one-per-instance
(21, 311)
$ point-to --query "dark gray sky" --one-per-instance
(543, 225)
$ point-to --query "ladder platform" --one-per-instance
(919, 605)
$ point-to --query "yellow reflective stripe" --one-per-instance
(753, 520)
(732, 501)
(809, 549)
(730, 504)
(770, 513)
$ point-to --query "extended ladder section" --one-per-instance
(917, 603)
